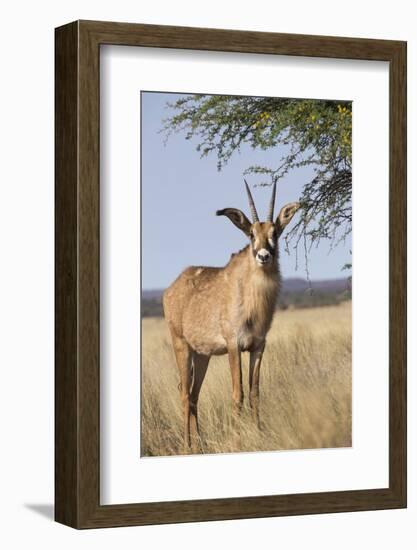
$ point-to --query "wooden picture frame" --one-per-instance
(77, 373)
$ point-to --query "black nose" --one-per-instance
(264, 256)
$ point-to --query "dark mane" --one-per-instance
(236, 254)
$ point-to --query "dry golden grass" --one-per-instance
(305, 389)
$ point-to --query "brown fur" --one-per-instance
(214, 311)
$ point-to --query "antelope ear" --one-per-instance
(285, 216)
(237, 217)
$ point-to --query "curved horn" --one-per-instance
(272, 204)
(251, 204)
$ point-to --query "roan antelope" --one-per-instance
(219, 310)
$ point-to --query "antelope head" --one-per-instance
(263, 236)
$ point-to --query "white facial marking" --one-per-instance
(263, 256)
(271, 243)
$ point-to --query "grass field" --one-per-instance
(305, 388)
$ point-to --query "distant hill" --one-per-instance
(326, 285)
(154, 294)
(295, 293)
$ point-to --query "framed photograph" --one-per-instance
(230, 274)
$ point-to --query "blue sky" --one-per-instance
(181, 193)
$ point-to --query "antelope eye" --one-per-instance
(251, 234)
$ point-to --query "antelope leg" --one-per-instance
(183, 357)
(200, 364)
(236, 372)
(254, 371)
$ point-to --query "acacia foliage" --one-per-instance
(303, 132)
